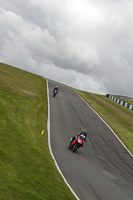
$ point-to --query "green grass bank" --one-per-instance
(119, 118)
(27, 171)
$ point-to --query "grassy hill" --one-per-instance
(27, 171)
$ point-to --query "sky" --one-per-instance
(86, 44)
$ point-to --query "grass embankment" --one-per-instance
(127, 100)
(119, 118)
(130, 101)
(27, 171)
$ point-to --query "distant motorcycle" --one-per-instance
(77, 143)
(55, 92)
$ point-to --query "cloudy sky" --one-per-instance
(87, 44)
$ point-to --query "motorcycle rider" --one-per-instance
(55, 90)
(84, 132)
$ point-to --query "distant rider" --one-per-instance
(55, 90)
(84, 132)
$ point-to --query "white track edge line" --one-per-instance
(106, 124)
(48, 130)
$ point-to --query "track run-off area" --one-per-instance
(103, 168)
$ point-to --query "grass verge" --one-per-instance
(119, 118)
(27, 171)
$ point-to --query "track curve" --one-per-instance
(103, 169)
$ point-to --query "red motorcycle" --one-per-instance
(77, 142)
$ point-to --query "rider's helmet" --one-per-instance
(84, 131)
(56, 86)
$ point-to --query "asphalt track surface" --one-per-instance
(102, 169)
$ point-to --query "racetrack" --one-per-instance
(102, 169)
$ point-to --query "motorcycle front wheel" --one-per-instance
(75, 147)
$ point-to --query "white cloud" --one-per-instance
(88, 43)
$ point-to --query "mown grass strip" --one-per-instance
(119, 118)
(27, 171)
